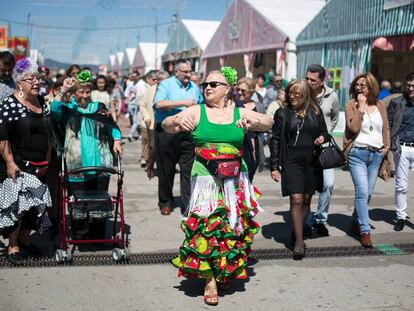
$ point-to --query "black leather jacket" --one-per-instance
(280, 135)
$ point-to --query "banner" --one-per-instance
(19, 47)
(3, 37)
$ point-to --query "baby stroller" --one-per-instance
(91, 204)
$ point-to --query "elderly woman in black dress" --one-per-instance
(24, 151)
(299, 126)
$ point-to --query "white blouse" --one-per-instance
(370, 134)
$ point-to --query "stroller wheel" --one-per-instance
(62, 256)
(69, 256)
(117, 254)
(59, 255)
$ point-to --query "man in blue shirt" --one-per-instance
(401, 122)
(174, 95)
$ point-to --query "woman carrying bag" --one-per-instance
(366, 142)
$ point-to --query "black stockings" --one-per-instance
(299, 210)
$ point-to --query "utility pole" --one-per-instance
(156, 43)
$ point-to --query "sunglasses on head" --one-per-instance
(213, 84)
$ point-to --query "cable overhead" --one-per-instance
(85, 28)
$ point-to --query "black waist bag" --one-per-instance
(223, 166)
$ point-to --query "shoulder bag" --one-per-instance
(330, 156)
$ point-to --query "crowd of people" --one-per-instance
(216, 130)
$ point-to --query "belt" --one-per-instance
(369, 148)
(407, 144)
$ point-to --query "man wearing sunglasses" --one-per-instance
(401, 122)
(174, 95)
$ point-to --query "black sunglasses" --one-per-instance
(213, 84)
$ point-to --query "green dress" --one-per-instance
(218, 226)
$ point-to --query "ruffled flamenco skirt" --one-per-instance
(26, 195)
(219, 228)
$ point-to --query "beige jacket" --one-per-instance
(145, 105)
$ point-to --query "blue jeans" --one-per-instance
(133, 110)
(363, 165)
(321, 214)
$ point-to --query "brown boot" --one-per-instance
(366, 239)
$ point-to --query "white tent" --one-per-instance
(189, 39)
(128, 59)
(111, 61)
(119, 57)
(260, 34)
(148, 56)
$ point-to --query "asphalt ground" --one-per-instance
(346, 282)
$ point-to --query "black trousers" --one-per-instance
(171, 149)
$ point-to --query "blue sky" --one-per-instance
(54, 22)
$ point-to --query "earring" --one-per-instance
(21, 94)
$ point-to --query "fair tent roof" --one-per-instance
(201, 30)
(145, 55)
(112, 60)
(128, 58)
(191, 34)
(130, 53)
(258, 25)
(290, 17)
(119, 57)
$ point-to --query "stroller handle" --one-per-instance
(85, 169)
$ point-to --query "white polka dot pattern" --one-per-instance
(17, 198)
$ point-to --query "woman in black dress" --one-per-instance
(298, 127)
(25, 133)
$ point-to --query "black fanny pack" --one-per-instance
(222, 167)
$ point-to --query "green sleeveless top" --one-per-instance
(207, 132)
(219, 134)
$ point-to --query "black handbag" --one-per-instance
(330, 156)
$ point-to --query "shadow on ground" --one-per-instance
(195, 287)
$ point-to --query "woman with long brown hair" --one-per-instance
(366, 142)
(298, 127)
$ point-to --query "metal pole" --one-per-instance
(156, 43)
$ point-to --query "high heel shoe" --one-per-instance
(299, 251)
